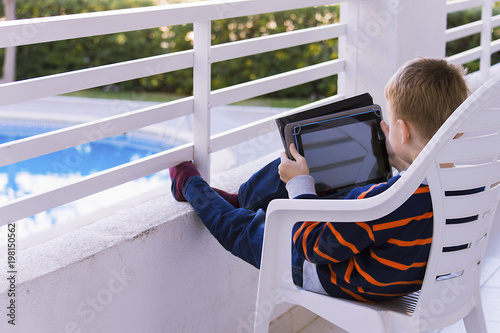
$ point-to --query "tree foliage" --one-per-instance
(62, 56)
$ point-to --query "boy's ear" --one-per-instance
(405, 130)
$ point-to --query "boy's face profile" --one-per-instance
(396, 134)
(394, 130)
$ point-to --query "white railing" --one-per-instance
(200, 58)
(484, 26)
(366, 61)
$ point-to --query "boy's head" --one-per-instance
(425, 92)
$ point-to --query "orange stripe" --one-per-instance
(297, 233)
(348, 271)
(396, 265)
(368, 229)
(400, 223)
(304, 238)
(356, 296)
(333, 276)
(381, 284)
(399, 242)
(419, 190)
(321, 254)
(362, 195)
(341, 239)
(424, 189)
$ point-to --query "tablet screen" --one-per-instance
(344, 153)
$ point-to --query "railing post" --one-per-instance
(384, 34)
(347, 79)
(201, 93)
(9, 62)
(485, 62)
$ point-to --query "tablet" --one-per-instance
(343, 150)
(314, 110)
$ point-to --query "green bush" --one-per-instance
(261, 65)
(62, 56)
(56, 57)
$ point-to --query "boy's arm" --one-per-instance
(289, 169)
(296, 175)
(320, 242)
(326, 242)
(301, 187)
(330, 242)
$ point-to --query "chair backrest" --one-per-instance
(464, 180)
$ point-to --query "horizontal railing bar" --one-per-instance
(261, 127)
(283, 40)
(495, 21)
(47, 29)
(466, 56)
(463, 30)
(495, 46)
(241, 134)
(277, 82)
(46, 143)
(35, 203)
(57, 84)
(455, 6)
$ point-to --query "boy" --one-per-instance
(366, 261)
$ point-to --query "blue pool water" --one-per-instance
(84, 159)
(48, 171)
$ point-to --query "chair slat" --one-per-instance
(465, 232)
(483, 118)
(468, 205)
(470, 149)
(457, 176)
(455, 262)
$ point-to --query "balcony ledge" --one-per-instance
(150, 267)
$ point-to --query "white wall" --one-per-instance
(152, 268)
(382, 35)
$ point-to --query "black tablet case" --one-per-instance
(343, 105)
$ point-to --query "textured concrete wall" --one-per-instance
(152, 268)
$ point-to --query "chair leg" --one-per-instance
(261, 323)
(262, 328)
(475, 321)
(263, 311)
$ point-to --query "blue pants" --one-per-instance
(241, 230)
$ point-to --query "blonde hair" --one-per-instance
(425, 92)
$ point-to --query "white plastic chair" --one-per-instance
(461, 159)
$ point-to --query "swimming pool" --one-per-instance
(58, 168)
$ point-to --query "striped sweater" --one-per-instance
(372, 260)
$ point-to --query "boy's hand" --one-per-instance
(394, 160)
(289, 169)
